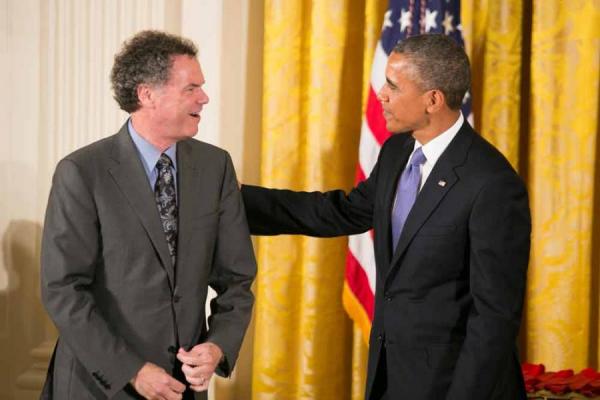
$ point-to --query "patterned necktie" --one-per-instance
(164, 194)
(406, 193)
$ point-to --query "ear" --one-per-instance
(145, 95)
(435, 101)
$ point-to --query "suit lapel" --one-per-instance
(189, 199)
(433, 192)
(397, 166)
(129, 175)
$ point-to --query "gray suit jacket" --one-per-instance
(108, 282)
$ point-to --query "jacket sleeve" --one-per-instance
(328, 214)
(499, 231)
(71, 245)
(234, 269)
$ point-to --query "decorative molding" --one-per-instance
(81, 39)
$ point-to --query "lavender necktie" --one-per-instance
(164, 193)
(406, 193)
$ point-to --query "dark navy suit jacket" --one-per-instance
(448, 301)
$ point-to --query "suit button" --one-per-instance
(388, 298)
(172, 349)
(176, 298)
(380, 337)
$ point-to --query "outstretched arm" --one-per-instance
(321, 214)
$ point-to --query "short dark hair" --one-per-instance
(146, 58)
(440, 63)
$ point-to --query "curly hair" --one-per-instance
(146, 58)
(440, 63)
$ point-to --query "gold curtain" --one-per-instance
(562, 318)
(493, 38)
(535, 96)
(315, 55)
(536, 89)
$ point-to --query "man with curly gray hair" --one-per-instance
(138, 226)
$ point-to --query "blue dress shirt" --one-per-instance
(150, 155)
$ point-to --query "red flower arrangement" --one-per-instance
(564, 384)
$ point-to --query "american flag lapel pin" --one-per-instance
(442, 183)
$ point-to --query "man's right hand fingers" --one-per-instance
(175, 385)
(155, 383)
(169, 394)
(171, 389)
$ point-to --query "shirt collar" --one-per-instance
(148, 153)
(436, 146)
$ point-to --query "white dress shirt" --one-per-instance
(435, 147)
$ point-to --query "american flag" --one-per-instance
(402, 19)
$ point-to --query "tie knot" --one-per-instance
(418, 158)
(164, 161)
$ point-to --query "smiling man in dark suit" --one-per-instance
(452, 235)
(138, 226)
